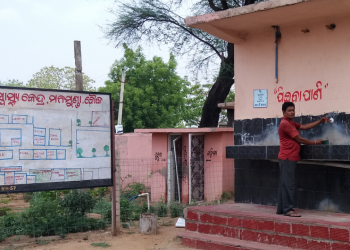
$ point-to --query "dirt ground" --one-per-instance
(129, 239)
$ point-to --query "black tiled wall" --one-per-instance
(318, 187)
(254, 131)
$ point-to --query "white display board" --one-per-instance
(260, 98)
(54, 139)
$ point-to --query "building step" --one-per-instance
(256, 223)
(214, 242)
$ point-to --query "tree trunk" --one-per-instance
(148, 223)
(219, 91)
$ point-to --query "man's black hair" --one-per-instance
(287, 105)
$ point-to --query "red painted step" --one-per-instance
(249, 222)
(214, 242)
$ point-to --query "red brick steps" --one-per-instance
(256, 223)
(214, 242)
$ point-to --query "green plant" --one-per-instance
(4, 210)
(77, 203)
(105, 209)
(176, 210)
(225, 196)
(42, 242)
(5, 201)
(17, 238)
(100, 244)
(133, 189)
(11, 248)
(152, 209)
(162, 209)
(27, 196)
(99, 192)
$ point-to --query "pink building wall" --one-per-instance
(306, 62)
(218, 171)
(144, 159)
(135, 158)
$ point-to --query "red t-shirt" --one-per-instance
(289, 149)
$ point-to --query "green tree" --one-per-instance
(159, 21)
(93, 152)
(58, 78)
(12, 83)
(106, 148)
(78, 122)
(196, 96)
(154, 95)
(79, 152)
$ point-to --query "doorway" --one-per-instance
(196, 183)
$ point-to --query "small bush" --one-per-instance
(46, 216)
(176, 210)
(77, 203)
(133, 189)
(162, 209)
(105, 209)
(4, 210)
(153, 209)
(225, 196)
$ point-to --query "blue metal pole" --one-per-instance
(276, 55)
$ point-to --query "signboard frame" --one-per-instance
(48, 186)
(254, 97)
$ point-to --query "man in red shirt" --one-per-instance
(288, 156)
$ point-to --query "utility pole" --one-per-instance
(78, 67)
(120, 111)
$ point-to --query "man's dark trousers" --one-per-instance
(286, 187)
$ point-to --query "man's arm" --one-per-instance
(313, 124)
(302, 140)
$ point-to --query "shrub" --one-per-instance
(4, 210)
(176, 210)
(105, 209)
(162, 209)
(47, 217)
(77, 203)
(133, 189)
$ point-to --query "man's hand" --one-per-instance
(302, 140)
(318, 142)
(313, 124)
(324, 120)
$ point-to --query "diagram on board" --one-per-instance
(49, 136)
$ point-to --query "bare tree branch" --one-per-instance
(212, 5)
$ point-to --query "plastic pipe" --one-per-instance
(143, 194)
(133, 197)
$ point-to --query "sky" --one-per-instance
(39, 33)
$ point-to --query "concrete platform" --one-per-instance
(256, 223)
(214, 242)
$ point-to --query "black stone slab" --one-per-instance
(339, 152)
(307, 152)
(258, 152)
(272, 152)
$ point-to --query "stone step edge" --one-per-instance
(193, 215)
(213, 242)
(316, 230)
(336, 238)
